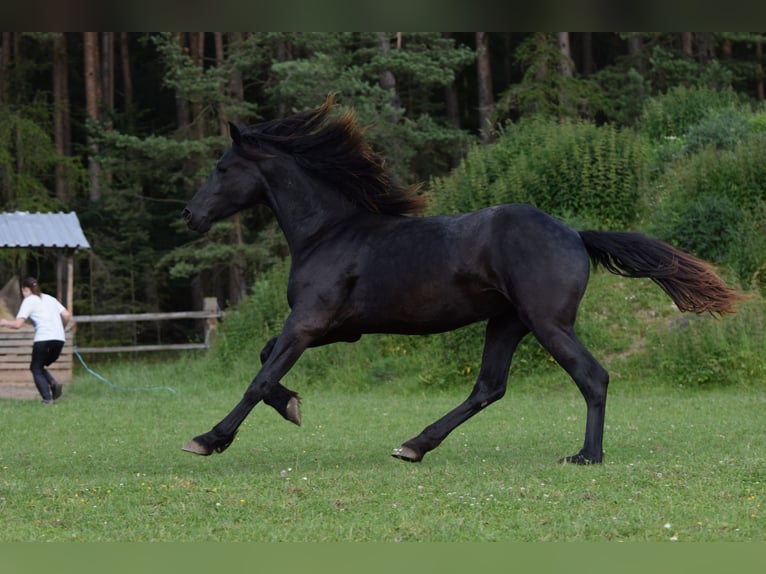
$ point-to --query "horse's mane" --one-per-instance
(336, 151)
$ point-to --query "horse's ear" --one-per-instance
(236, 135)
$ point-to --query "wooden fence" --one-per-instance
(16, 345)
(210, 313)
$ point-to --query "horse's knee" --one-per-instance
(285, 402)
(484, 394)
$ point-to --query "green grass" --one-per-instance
(106, 465)
(684, 440)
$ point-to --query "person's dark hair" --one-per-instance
(32, 284)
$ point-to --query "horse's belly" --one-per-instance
(424, 310)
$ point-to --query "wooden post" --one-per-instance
(210, 306)
(70, 282)
(60, 274)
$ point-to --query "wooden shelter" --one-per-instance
(24, 230)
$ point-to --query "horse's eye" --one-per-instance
(220, 169)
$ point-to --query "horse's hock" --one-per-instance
(16, 354)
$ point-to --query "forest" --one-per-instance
(664, 132)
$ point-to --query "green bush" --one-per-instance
(703, 351)
(706, 226)
(747, 253)
(674, 113)
(722, 128)
(567, 168)
(757, 121)
(711, 203)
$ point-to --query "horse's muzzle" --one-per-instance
(201, 225)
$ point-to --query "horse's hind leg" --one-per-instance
(502, 336)
(267, 349)
(592, 380)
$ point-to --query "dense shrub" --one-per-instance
(706, 226)
(712, 204)
(702, 351)
(721, 128)
(567, 168)
(674, 113)
(747, 253)
(757, 121)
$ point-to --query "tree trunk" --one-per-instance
(197, 55)
(236, 83)
(183, 112)
(5, 63)
(687, 43)
(92, 108)
(706, 44)
(62, 137)
(219, 61)
(387, 78)
(636, 51)
(107, 73)
(127, 77)
(508, 63)
(759, 87)
(566, 64)
(484, 80)
(588, 66)
(727, 48)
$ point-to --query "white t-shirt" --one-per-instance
(45, 314)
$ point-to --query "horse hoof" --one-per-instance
(578, 458)
(196, 448)
(406, 453)
(294, 411)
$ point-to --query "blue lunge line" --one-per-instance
(117, 387)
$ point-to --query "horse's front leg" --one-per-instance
(280, 398)
(264, 387)
(502, 336)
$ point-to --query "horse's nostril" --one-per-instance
(186, 214)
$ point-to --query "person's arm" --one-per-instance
(15, 324)
(66, 316)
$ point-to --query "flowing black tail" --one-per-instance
(690, 282)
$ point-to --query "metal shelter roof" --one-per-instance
(24, 229)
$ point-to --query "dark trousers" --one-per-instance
(44, 353)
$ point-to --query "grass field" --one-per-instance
(106, 465)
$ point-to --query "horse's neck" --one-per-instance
(305, 208)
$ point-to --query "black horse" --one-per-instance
(360, 265)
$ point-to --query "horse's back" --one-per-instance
(531, 239)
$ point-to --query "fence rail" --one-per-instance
(211, 313)
(145, 316)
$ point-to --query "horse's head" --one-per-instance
(235, 183)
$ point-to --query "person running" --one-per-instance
(49, 318)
